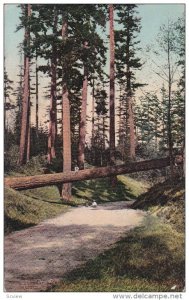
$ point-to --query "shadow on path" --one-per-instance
(38, 257)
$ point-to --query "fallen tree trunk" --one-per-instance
(30, 182)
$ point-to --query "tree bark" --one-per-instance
(66, 131)
(52, 121)
(29, 182)
(112, 91)
(25, 99)
(82, 124)
(130, 127)
(37, 100)
(29, 129)
(66, 188)
(130, 130)
(66, 126)
(112, 86)
(93, 109)
(170, 142)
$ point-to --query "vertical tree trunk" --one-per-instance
(37, 99)
(112, 91)
(29, 129)
(28, 143)
(52, 121)
(120, 117)
(82, 124)
(112, 86)
(66, 188)
(25, 97)
(156, 132)
(164, 121)
(104, 133)
(170, 142)
(93, 103)
(5, 97)
(130, 127)
(66, 127)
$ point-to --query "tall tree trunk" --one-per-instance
(156, 133)
(82, 124)
(130, 127)
(104, 133)
(5, 97)
(37, 100)
(25, 97)
(52, 121)
(93, 103)
(120, 117)
(29, 128)
(28, 143)
(112, 91)
(170, 142)
(66, 127)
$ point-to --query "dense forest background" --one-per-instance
(99, 110)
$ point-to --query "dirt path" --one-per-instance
(38, 257)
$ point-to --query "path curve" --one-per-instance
(38, 257)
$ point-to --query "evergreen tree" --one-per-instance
(53, 74)
(66, 132)
(149, 125)
(18, 92)
(25, 98)
(112, 85)
(178, 121)
(164, 121)
(112, 91)
(180, 49)
(127, 62)
(166, 41)
(93, 58)
(99, 139)
(36, 96)
(8, 90)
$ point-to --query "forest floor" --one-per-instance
(38, 257)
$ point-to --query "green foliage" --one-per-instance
(180, 49)
(8, 89)
(126, 43)
(97, 152)
(178, 120)
(152, 123)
